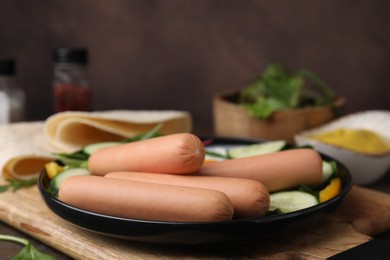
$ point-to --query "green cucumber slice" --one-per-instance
(256, 149)
(92, 148)
(328, 169)
(215, 153)
(55, 183)
(290, 201)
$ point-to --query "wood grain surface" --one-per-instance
(361, 215)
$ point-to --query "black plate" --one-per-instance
(197, 233)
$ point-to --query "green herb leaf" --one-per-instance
(17, 184)
(305, 188)
(151, 133)
(29, 252)
(77, 159)
(263, 107)
(326, 93)
(278, 89)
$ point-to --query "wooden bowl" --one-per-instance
(230, 119)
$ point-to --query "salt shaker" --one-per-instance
(71, 87)
(12, 98)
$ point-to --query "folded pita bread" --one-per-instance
(26, 147)
(23, 150)
(70, 131)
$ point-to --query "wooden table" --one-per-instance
(353, 228)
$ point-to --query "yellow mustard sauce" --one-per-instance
(358, 140)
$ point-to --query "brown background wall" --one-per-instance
(176, 54)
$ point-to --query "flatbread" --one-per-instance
(23, 150)
(70, 131)
(26, 147)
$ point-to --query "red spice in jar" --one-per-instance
(72, 97)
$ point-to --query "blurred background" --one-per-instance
(177, 54)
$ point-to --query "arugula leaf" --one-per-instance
(305, 188)
(77, 159)
(278, 89)
(17, 184)
(151, 133)
(29, 252)
(282, 85)
(327, 95)
(264, 107)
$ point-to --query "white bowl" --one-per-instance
(365, 169)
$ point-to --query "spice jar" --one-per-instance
(12, 98)
(71, 87)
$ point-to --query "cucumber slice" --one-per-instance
(216, 153)
(214, 157)
(92, 148)
(289, 201)
(60, 177)
(256, 149)
(328, 169)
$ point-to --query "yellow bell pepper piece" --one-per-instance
(331, 190)
(52, 169)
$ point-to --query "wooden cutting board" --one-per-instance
(363, 214)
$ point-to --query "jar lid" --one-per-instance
(7, 67)
(71, 55)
